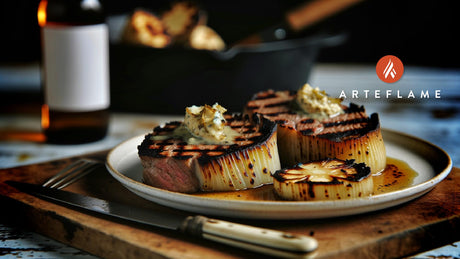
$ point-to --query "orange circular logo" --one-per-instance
(389, 69)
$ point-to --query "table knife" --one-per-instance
(265, 241)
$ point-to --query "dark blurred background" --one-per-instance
(420, 32)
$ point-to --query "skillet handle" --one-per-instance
(315, 11)
(265, 241)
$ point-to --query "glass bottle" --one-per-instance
(75, 71)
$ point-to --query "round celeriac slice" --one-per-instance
(330, 179)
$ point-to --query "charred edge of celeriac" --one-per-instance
(330, 179)
(243, 169)
(366, 146)
(260, 124)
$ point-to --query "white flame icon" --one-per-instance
(389, 69)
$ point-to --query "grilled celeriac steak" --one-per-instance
(303, 137)
(174, 160)
(330, 179)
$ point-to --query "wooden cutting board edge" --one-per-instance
(99, 236)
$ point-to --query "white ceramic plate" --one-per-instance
(430, 162)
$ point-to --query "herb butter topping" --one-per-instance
(207, 124)
(203, 125)
(317, 103)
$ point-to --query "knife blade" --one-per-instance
(265, 241)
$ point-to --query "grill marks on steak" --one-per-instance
(271, 103)
(277, 106)
(178, 149)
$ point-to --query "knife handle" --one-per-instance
(266, 241)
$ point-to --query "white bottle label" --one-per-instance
(76, 67)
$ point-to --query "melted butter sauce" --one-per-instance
(396, 176)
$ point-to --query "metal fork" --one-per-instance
(72, 173)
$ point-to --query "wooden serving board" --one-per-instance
(427, 222)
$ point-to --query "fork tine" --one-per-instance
(72, 173)
(84, 170)
(60, 174)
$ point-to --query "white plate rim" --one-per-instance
(280, 209)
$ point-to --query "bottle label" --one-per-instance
(76, 67)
